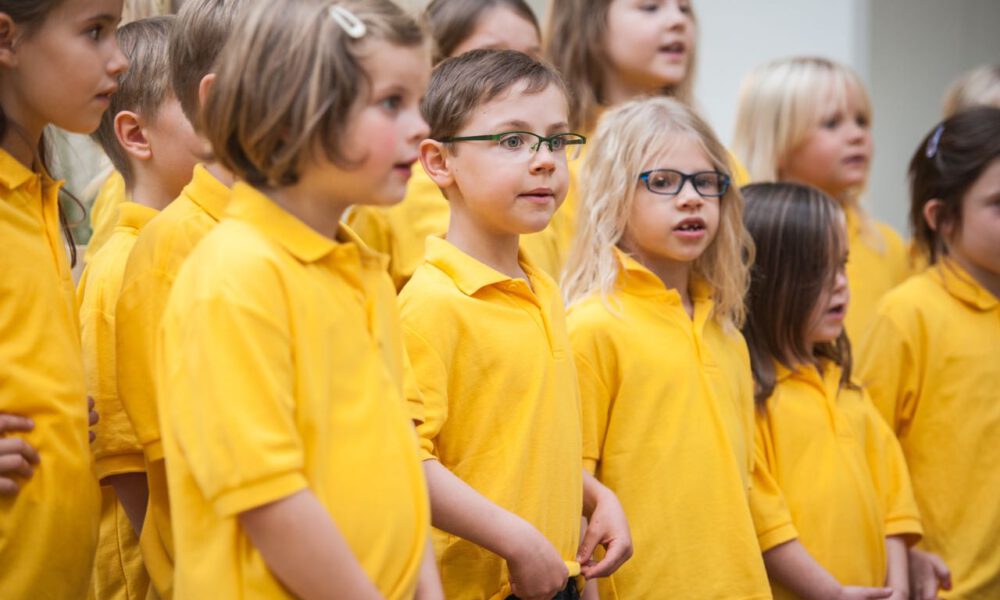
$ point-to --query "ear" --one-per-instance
(204, 87)
(130, 134)
(8, 41)
(434, 158)
(932, 214)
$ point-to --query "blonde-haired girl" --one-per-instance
(807, 119)
(655, 285)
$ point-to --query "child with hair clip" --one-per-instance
(832, 502)
(612, 51)
(655, 288)
(291, 459)
(930, 361)
(486, 331)
(807, 120)
(153, 147)
(455, 27)
(59, 61)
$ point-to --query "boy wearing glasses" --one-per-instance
(485, 331)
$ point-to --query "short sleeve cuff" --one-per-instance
(427, 449)
(776, 536)
(908, 527)
(153, 450)
(590, 465)
(119, 464)
(259, 493)
(415, 409)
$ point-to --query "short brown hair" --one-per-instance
(142, 88)
(450, 22)
(461, 84)
(799, 247)
(199, 35)
(287, 82)
(947, 162)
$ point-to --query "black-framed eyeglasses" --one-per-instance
(708, 184)
(522, 144)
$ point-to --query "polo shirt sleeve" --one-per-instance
(892, 479)
(771, 518)
(431, 376)
(596, 398)
(227, 389)
(887, 368)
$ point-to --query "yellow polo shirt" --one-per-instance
(276, 376)
(830, 473)
(501, 406)
(158, 254)
(873, 268)
(118, 569)
(104, 213)
(668, 409)
(399, 231)
(48, 531)
(932, 365)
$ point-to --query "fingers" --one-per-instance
(16, 458)
(8, 487)
(941, 571)
(17, 447)
(591, 538)
(10, 422)
(615, 556)
(94, 417)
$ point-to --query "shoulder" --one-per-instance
(428, 297)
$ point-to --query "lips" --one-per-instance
(691, 225)
(405, 165)
(542, 194)
(856, 160)
(837, 310)
(675, 48)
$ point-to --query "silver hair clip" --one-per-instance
(932, 144)
(348, 21)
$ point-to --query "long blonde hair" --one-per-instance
(627, 140)
(574, 43)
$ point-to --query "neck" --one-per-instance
(674, 275)
(221, 173)
(315, 209)
(616, 91)
(988, 279)
(21, 143)
(147, 191)
(497, 250)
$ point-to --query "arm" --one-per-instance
(536, 569)
(133, 492)
(303, 548)
(791, 564)
(897, 572)
(429, 584)
(607, 526)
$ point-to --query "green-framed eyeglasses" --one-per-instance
(668, 182)
(525, 143)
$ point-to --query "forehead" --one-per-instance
(840, 93)
(681, 151)
(541, 110)
(84, 10)
(391, 64)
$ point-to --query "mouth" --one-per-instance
(406, 165)
(691, 226)
(856, 160)
(540, 195)
(673, 49)
(837, 310)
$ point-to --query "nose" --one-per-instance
(688, 197)
(543, 159)
(420, 128)
(840, 282)
(117, 62)
(677, 17)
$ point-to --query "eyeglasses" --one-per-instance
(708, 184)
(522, 144)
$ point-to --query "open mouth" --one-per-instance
(677, 48)
(691, 226)
(857, 159)
(837, 310)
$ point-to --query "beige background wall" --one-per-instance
(907, 50)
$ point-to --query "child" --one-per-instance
(486, 334)
(614, 51)
(59, 62)
(152, 146)
(831, 499)
(655, 286)
(292, 463)
(930, 361)
(400, 231)
(807, 120)
(978, 87)
(201, 29)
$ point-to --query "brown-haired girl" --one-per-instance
(59, 61)
(831, 500)
(291, 458)
(931, 360)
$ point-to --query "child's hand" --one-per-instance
(537, 572)
(16, 455)
(851, 592)
(928, 574)
(608, 527)
(93, 417)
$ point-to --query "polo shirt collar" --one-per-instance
(637, 279)
(828, 381)
(207, 192)
(469, 274)
(14, 175)
(132, 215)
(960, 284)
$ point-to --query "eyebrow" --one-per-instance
(560, 127)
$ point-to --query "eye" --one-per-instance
(832, 122)
(684, 7)
(94, 32)
(512, 141)
(557, 143)
(649, 7)
(862, 121)
(391, 103)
